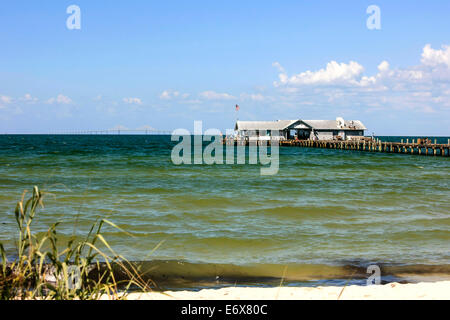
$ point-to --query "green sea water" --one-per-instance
(326, 212)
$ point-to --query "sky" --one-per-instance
(164, 64)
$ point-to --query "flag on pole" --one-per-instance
(237, 108)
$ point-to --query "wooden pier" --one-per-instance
(368, 145)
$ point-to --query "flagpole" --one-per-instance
(237, 114)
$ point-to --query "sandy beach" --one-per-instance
(392, 291)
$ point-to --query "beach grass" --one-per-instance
(44, 268)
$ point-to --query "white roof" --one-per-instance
(264, 125)
(299, 124)
(334, 125)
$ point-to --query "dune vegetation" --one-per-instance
(82, 268)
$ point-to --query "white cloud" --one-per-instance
(192, 101)
(409, 75)
(5, 100)
(334, 73)
(132, 101)
(212, 95)
(279, 67)
(351, 74)
(383, 66)
(60, 99)
(252, 96)
(165, 95)
(420, 87)
(421, 94)
(432, 57)
(29, 98)
(168, 95)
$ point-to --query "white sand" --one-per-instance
(392, 291)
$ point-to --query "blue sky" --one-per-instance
(165, 64)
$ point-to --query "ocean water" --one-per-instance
(325, 217)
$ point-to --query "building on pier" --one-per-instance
(338, 129)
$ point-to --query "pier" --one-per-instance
(418, 147)
(336, 134)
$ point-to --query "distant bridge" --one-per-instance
(100, 132)
(123, 131)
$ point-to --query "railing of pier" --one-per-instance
(415, 147)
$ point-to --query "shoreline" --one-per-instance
(439, 290)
